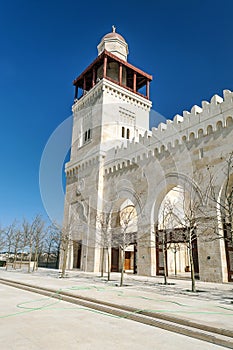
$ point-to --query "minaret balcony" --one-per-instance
(116, 70)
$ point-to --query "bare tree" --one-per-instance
(125, 234)
(223, 201)
(38, 236)
(189, 220)
(16, 244)
(103, 220)
(9, 234)
(193, 213)
(52, 244)
(34, 233)
(65, 242)
(23, 245)
(2, 239)
(165, 233)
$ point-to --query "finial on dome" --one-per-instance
(114, 43)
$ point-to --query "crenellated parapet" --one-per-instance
(199, 122)
(218, 113)
(76, 168)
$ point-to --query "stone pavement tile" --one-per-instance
(213, 306)
(31, 321)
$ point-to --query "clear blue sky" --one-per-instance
(186, 45)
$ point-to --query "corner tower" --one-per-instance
(111, 106)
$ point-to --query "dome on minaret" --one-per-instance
(114, 43)
(113, 35)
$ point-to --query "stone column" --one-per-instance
(93, 76)
(211, 252)
(84, 83)
(148, 89)
(120, 74)
(134, 82)
(105, 67)
(146, 263)
(76, 92)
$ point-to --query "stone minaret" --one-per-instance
(111, 106)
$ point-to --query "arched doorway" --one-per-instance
(77, 253)
(124, 239)
(175, 235)
(225, 214)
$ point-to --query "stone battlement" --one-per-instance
(200, 121)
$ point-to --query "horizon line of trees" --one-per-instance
(32, 241)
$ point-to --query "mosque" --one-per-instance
(139, 191)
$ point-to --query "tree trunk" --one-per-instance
(48, 255)
(192, 268)
(231, 230)
(15, 257)
(63, 271)
(47, 260)
(122, 266)
(21, 260)
(58, 257)
(30, 258)
(35, 259)
(102, 262)
(164, 260)
(108, 256)
(8, 255)
(175, 262)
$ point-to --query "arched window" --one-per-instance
(200, 132)
(219, 125)
(128, 134)
(162, 148)
(123, 132)
(229, 122)
(184, 138)
(191, 136)
(209, 129)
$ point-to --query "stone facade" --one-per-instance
(116, 161)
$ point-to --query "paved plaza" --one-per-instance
(32, 321)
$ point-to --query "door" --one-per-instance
(159, 254)
(229, 256)
(77, 253)
(195, 258)
(115, 260)
(229, 251)
(127, 260)
(135, 258)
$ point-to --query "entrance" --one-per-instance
(115, 260)
(127, 261)
(159, 254)
(229, 256)
(130, 259)
(176, 253)
(195, 258)
(77, 249)
(229, 252)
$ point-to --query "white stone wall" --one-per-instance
(166, 163)
(145, 168)
(114, 45)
